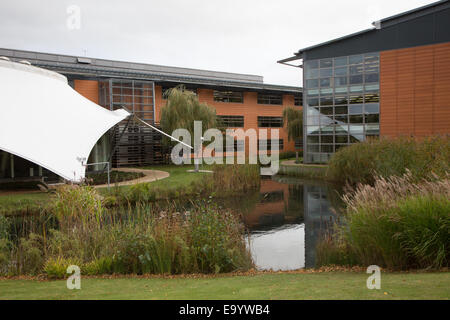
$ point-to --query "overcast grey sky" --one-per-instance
(243, 36)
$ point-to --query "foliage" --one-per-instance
(144, 239)
(77, 202)
(182, 109)
(361, 162)
(397, 223)
(293, 118)
(224, 181)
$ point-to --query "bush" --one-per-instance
(134, 241)
(74, 202)
(361, 162)
(56, 267)
(397, 223)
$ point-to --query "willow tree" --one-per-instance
(293, 118)
(182, 109)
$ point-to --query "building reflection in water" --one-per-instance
(286, 220)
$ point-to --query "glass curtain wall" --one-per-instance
(342, 103)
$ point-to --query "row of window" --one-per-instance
(368, 97)
(367, 59)
(226, 121)
(343, 90)
(262, 145)
(356, 129)
(238, 145)
(342, 110)
(229, 96)
(343, 119)
(343, 80)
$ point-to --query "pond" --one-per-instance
(285, 219)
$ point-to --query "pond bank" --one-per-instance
(300, 170)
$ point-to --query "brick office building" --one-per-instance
(392, 80)
(241, 101)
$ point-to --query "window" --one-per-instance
(298, 100)
(270, 122)
(267, 145)
(238, 145)
(231, 121)
(228, 96)
(312, 83)
(276, 99)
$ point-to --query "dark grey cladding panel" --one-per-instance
(443, 19)
(424, 30)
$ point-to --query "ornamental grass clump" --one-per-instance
(398, 223)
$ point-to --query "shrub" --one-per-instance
(56, 267)
(30, 254)
(397, 223)
(362, 162)
(75, 202)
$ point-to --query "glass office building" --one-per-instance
(341, 100)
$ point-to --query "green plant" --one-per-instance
(78, 202)
(362, 162)
(293, 118)
(56, 267)
(182, 109)
(396, 223)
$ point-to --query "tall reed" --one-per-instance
(398, 223)
(146, 238)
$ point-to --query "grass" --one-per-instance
(13, 203)
(23, 202)
(115, 176)
(179, 177)
(385, 157)
(396, 223)
(125, 240)
(326, 285)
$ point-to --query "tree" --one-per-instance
(182, 109)
(293, 117)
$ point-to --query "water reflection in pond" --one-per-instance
(285, 219)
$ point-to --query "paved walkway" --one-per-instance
(150, 175)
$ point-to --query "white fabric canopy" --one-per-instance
(43, 120)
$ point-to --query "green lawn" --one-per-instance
(179, 177)
(329, 285)
(19, 202)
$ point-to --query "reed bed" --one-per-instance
(398, 223)
(146, 238)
